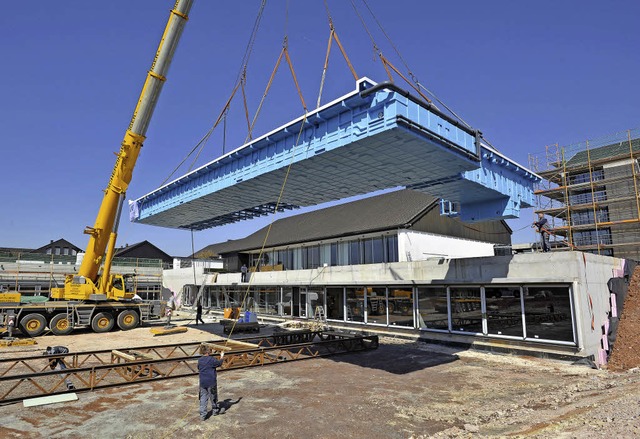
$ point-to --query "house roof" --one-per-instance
(132, 248)
(58, 243)
(383, 212)
(604, 152)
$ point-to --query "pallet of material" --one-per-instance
(241, 327)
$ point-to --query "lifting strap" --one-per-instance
(333, 35)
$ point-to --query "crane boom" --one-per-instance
(104, 232)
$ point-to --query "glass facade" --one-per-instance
(525, 312)
(369, 250)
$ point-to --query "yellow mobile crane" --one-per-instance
(90, 297)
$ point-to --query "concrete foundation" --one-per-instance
(540, 281)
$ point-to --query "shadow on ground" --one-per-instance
(395, 359)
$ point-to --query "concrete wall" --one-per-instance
(173, 280)
(586, 273)
(418, 246)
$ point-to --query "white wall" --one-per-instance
(418, 246)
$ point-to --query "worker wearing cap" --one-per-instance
(207, 365)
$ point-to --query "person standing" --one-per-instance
(199, 313)
(243, 270)
(542, 226)
(207, 365)
(58, 363)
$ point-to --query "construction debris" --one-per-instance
(312, 325)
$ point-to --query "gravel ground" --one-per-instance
(402, 390)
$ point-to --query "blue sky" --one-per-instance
(527, 74)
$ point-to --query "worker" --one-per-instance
(58, 363)
(199, 313)
(243, 270)
(542, 226)
(168, 313)
(207, 365)
(11, 323)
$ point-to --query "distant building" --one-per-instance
(144, 250)
(61, 247)
(36, 271)
(397, 226)
(590, 193)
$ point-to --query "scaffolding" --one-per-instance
(590, 192)
(35, 274)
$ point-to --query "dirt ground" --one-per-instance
(403, 389)
(626, 349)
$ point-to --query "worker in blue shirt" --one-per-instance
(543, 227)
(207, 365)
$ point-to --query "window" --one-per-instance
(466, 310)
(377, 305)
(335, 303)
(548, 313)
(433, 308)
(392, 248)
(355, 304)
(334, 254)
(354, 253)
(400, 306)
(504, 311)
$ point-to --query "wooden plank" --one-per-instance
(168, 331)
(51, 399)
(121, 354)
(140, 355)
(217, 347)
(242, 343)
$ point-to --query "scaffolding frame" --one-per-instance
(590, 191)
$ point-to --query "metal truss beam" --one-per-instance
(30, 377)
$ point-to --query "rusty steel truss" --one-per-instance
(30, 377)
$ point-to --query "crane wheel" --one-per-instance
(391, 307)
(128, 319)
(102, 322)
(33, 324)
(60, 325)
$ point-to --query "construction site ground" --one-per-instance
(404, 389)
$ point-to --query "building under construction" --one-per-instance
(590, 191)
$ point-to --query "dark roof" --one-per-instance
(142, 250)
(604, 152)
(383, 212)
(58, 243)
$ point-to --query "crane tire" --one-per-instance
(33, 324)
(128, 319)
(102, 322)
(60, 325)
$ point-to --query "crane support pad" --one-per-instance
(370, 139)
